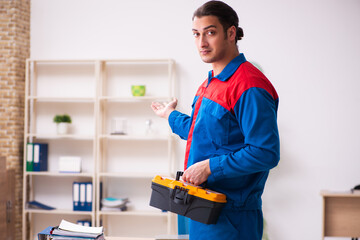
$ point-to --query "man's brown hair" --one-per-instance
(226, 15)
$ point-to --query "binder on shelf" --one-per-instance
(82, 196)
(40, 153)
(29, 157)
(88, 200)
(38, 205)
(76, 196)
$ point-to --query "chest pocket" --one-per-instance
(216, 121)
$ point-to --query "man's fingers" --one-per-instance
(156, 105)
(185, 177)
(153, 106)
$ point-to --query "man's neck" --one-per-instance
(220, 65)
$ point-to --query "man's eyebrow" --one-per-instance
(205, 28)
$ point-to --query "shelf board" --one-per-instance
(58, 211)
(58, 174)
(130, 174)
(108, 61)
(134, 213)
(139, 61)
(134, 99)
(63, 99)
(347, 194)
(67, 61)
(65, 136)
(136, 137)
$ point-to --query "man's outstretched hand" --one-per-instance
(164, 109)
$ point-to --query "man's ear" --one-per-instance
(231, 33)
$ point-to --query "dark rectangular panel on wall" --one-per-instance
(7, 200)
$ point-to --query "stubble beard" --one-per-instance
(213, 58)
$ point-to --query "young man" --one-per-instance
(232, 135)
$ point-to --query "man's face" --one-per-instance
(210, 39)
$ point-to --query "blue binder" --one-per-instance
(38, 205)
(40, 153)
(82, 197)
(29, 157)
(47, 234)
(88, 197)
(76, 196)
(44, 234)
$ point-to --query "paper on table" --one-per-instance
(65, 225)
(62, 234)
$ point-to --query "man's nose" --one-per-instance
(203, 41)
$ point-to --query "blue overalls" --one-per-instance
(234, 124)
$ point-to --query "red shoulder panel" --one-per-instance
(227, 93)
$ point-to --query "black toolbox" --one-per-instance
(199, 204)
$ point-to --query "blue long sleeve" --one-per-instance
(256, 115)
(180, 124)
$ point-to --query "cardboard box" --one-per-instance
(69, 164)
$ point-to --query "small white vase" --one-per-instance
(63, 128)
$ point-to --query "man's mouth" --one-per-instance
(204, 52)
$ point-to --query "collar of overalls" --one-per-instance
(229, 70)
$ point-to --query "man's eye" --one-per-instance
(210, 33)
(195, 34)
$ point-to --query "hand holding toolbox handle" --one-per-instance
(180, 173)
(180, 195)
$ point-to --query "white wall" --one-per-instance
(309, 50)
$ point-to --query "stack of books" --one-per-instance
(114, 204)
(70, 231)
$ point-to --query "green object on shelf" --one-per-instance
(138, 90)
(62, 118)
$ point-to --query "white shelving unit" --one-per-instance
(93, 93)
(58, 87)
(127, 163)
